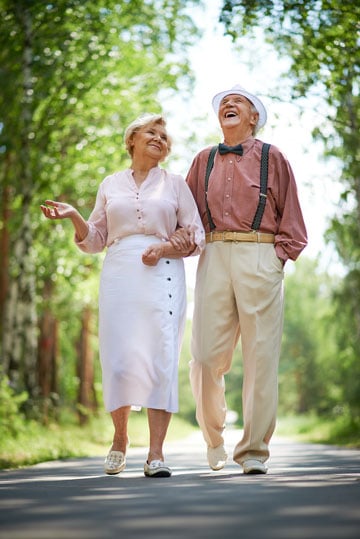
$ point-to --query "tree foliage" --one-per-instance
(308, 377)
(321, 40)
(74, 73)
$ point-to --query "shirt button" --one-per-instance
(169, 278)
(226, 213)
(227, 196)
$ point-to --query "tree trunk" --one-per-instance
(20, 321)
(48, 358)
(86, 395)
(4, 250)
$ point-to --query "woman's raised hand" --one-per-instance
(57, 210)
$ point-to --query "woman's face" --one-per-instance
(151, 141)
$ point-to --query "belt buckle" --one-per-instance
(257, 235)
(227, 236)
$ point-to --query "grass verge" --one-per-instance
(342, 430)
(38, 443)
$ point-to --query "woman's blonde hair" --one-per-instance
(140, 122)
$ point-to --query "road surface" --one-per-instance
(311, 491)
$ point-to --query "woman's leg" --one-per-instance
(158, 425)
(115, 461)
(120, 420)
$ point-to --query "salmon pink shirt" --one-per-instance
(161, 203)
(233, 196)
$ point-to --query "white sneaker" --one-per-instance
(115, 462)
(217, 457)
(253, 466)
(156, 468)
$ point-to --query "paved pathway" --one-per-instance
(310, 492)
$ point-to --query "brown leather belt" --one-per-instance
(257, 237)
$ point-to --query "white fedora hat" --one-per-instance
(239, 90)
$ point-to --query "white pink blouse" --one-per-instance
(161, 203)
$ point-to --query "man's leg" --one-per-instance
(214, 336)
(260, 303)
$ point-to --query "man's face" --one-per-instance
(236, 110)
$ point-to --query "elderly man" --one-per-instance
(253, 227)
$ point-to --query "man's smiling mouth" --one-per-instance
(230, 114)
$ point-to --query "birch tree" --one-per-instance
(74, 74)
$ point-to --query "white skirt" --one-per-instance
(142, 312)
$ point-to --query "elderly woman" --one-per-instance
(142, 299)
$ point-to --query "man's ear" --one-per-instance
(254, 118)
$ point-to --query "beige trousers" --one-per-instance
(238, 292)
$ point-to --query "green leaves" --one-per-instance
(321, 39)
(74, 74)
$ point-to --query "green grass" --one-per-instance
(340, 430)
(38, 443)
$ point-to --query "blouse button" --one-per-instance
(169, 278)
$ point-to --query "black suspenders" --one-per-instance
(209, 167)
(263, 185)
(264, 165)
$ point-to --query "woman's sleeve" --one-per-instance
(96, 239)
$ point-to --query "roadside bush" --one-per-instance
(12, 420)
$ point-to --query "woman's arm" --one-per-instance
(60, 210)
(165, 249)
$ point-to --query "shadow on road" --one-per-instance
(310, 492)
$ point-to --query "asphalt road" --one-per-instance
(310, 491)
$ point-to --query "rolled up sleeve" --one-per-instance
(96, 239)
(291, 236)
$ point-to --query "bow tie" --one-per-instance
(223, 149)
